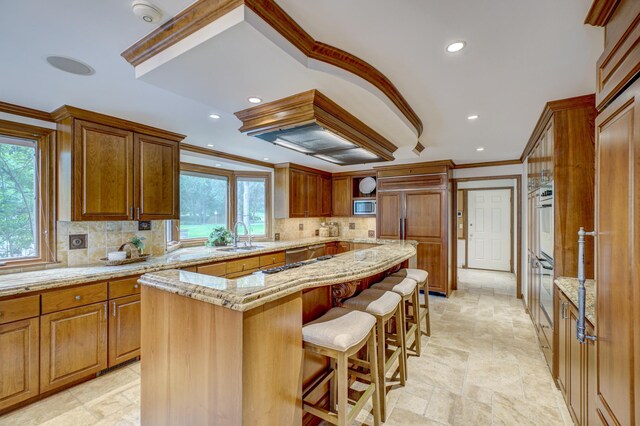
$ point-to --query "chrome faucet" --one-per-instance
(235, 233)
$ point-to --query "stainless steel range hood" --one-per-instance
(312, 124)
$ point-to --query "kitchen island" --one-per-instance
(220, 351)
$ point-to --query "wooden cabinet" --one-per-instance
(19, 366)
(344, 247)
(124, 329)
(341, 196)
(113, 169)
(301, 192)
(73, 345)
(389, 219)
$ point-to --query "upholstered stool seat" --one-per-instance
(384, 305)
(400, 285)
(340, 334)
(422, 278)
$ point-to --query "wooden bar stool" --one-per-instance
(384, 305)
(340, 334)
(408, 290)
(422, 278)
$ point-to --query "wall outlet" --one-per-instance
(317, 233)
(144, 225)
(301, 227)
(372, 233)
(277, 236)
(352, 225)
(77, 241)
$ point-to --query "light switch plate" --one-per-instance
(277, 236)
(372, 233)
(144, 225)
(301, 227)
(317, 232)
(77, 241)
(352, 225)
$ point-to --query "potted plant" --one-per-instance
(220, 236)
(138, 243)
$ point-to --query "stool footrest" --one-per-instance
(363, 399)
(319, 381)
(321, 412)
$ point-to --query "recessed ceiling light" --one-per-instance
(456, 47)
(69, 65)
(266, 158)
(472, 117)
(214, 116)
(218, 165)
(479, 149)
(255, 100)
(210, 144)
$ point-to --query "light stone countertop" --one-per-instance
(569, 286)
(251, 291)
(25, 282)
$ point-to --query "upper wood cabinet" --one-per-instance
(302, 192)
(113, 169)
(341, 196)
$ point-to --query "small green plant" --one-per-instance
(220, 236)
(138, 242)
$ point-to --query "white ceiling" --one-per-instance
(520, 54)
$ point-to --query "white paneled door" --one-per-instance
(489, 229)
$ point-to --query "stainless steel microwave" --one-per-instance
(364, 207)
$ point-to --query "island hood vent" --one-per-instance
(312, 124)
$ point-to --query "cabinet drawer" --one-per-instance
(241, 265)
(73, 297)
(241, 273)
(272, 258)
(124, 287)
(17, 309)
(216, 269)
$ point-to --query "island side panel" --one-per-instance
(273, 363)
(191, 361)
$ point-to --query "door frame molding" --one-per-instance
(454, 225)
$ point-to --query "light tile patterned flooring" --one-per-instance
(481, 366)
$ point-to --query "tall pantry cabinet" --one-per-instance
(617, 390)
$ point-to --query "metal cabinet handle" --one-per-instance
(131, 215)
(562, 311)
(114, 309)
(78, 297)
(1, 314)
(580, 327)
(106, 309)
(137, 213)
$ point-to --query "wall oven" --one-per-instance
(545, 222)
(364, 207)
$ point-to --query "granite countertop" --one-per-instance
(569, 286)
(24, 282)
(251, 291)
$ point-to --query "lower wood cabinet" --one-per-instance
(124, 329)
(19, 370)
(73, 345)
(344, 247)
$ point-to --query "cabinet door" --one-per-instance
(325, 196)
(549, 151)
(124, 329)
(103, 173)
(589, 412)
(389, 215)
(425, 215)
(341, 196)
(617, 150)
(563, 341)
(574, 356)
(19, 343)
(312, 193)
(157, 187)
(344, 247)
(73, 345)
(297, 194)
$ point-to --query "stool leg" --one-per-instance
(379, 392)
(343, 388)
(381, 387)
(426, 306)
(402, 325)
(400, 342)
(333, 386)
(416, 316)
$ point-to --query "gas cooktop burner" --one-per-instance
(296, 264)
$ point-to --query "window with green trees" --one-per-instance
(204, 203)
(251, 203)
(19, 220)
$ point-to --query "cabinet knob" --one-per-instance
(1, 314)
(136, 285)
(78, 297)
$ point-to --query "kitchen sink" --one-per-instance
(240, 249)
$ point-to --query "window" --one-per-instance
(211, 196)
(204, 203)
(251, 203)
(25, 228)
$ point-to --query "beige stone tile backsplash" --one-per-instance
(289, 228)
(103, 237)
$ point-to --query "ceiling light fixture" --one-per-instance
(266, 158)
(69, 65)
(210, 145)
(472, 117)
(214, 116)
(479, 149)
(255, 100)
(146, 11)
(456, 47)
(218, 165)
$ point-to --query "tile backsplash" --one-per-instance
(289, 229)
(103, 237)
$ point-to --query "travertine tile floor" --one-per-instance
(481, 366)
